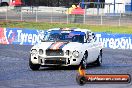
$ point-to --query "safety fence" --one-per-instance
(91, 16)
(31, 37)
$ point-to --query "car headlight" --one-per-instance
(75, 54)
(41, 51)
(34, 51)
(67, 52)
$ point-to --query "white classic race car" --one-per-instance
(66, 47)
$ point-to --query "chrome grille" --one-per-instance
(58, 52)
(57, 61)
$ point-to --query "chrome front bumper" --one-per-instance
(54, 61)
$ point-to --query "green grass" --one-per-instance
(42, 25)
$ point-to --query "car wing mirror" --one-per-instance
(95, 38)
(42, 40)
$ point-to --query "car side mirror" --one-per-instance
(95, 39)
(88, 41)
(42, 40)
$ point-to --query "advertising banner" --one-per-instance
(115, 41)
(32, 37)
(20, 36)
(3, 38)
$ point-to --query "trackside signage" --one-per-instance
(32, 37)
(20, 36)
(115, 41)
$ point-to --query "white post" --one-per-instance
(37, 14)
(68, 16)
(21, 13)
(84, 17)
(101, 19)
(51, 18)
(119, 20)
(6, 13)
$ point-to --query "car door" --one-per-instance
(91, 48)
(95, 47)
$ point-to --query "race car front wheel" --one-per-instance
(84, 61)
(98, 62)
(80, 80)
(34, 66)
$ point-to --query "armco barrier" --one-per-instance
(32, 37)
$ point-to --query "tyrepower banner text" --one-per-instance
(115, 41)
(32, 37)
(20, 36)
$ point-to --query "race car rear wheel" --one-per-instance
(34, 66)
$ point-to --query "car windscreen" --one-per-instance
(71, 36)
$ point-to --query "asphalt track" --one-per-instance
(15, 72)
